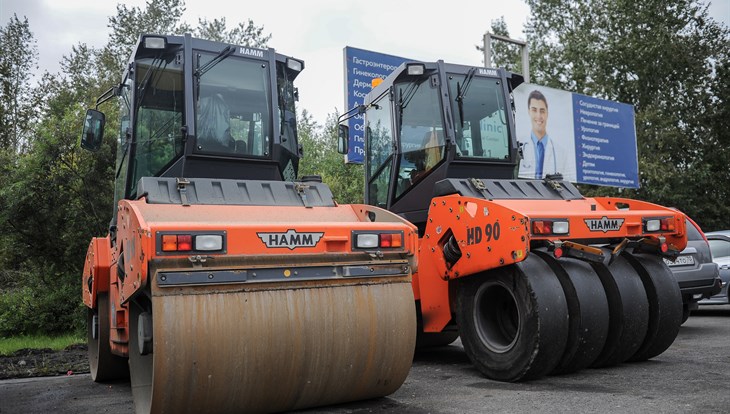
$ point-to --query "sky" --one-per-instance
(315, 31)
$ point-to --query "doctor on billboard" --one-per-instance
(544, 152)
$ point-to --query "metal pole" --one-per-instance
(487, 50)
(526, 63)
(523, 49)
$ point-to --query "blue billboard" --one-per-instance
(586, 139)
(361, 67)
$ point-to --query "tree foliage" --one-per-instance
(16, 106)
(247, 34)
(321, 158)
(54, 197)
(504, 54)
(665, 57)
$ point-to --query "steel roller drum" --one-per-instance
(274, 347)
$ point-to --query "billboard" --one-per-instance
(361, 67)
(586, 139)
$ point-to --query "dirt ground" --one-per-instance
(27, 363)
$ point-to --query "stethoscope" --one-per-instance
(552, 147)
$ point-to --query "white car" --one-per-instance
(720, 246)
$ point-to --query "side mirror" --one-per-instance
(343, 135)
(93, 133)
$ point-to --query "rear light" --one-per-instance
(366, 241)
(184, 242)
(391, 240)
(378, 240)
(189, 242)
(169, 242)
(209, 242)
(652, 225)
(550, 227)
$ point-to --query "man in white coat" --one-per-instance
(541, 155)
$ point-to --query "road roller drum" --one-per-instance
(272, 348)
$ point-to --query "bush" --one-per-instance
(31, 309)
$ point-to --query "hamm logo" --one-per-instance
(291, 239)
(604, 224)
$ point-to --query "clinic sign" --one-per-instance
(586, 139)
(361, 67)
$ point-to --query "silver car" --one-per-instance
(694, 270)
(720, 247)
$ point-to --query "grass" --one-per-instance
(10, 345)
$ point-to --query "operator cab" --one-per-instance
(200, 109)
(430, 121)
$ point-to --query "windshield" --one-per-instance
(232, 107)
(421, 132)
(159, 119)
(478, 104)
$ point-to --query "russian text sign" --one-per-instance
(361, 67)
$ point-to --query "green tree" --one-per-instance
(54, 197)
(321, 158)
(247, 34)
(16, 105)
(504, 54)
(667, 59)
(157, 17)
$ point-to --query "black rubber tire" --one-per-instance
(103, 365)
(685, 313)
(587, 310)
(513, 320)
(665, 304)
(140, 366)
(628, 310)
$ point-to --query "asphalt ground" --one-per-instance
(693, 375)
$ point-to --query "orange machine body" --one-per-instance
(284, 243)
(494, 233)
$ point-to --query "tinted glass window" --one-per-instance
(421, 132)
(478, 104)
(719, 248)
(692, 233)
(159, 119)
(379, 151)
(232, 107)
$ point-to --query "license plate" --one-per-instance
(681, 261)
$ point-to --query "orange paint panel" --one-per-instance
(260, 230)
(95, 277)
(602, 217)
(487, 234)
(433, 292)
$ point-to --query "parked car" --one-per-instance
(698, 276)
(720, 247)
